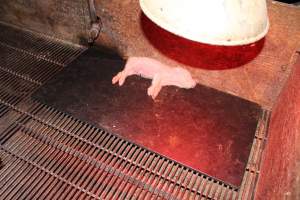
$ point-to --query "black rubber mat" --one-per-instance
(203, 128)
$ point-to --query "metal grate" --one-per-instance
(47, 154)
(40, 46)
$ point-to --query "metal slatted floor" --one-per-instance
(47, 154)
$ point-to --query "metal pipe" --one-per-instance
(95, 22)
(92, 10)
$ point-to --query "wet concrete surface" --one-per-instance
(202, 128)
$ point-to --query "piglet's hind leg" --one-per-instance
(127, 71)
(120, 77)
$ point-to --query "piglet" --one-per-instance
(161, 74)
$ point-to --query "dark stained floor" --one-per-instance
(202, 128)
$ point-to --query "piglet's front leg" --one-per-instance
(155, 87)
